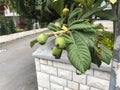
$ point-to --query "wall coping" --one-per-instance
(10, 37)
(44, 52)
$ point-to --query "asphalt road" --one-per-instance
(17, 67)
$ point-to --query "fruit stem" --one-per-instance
(58, 33)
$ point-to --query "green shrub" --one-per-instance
(7, 25)
(29, 25)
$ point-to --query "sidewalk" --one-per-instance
(15, 36)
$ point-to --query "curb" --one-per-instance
(10, 37)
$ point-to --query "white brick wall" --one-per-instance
(79, 78)
(84, 87)
(52, 75)
(42, 61)
(56, 87)
(98, 83)
(89, 72)
(65, 74)
(64, 66)
(94, 88)
(40, 88)
(49, 69)
(43, 79)
(59, 81)
(73, 85)
(102, 74)
(37, 64)
(65, 88)
(50, 63)
(46, 89)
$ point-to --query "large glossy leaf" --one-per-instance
(52, 27)
(89, 34)
(74, 13)
(77, 22)
(68, 39)
(58, 6)
(107, 14)
(93, 50)
(78, 53)
(106, 54)
(83, 26)
(72, 6)
(91, 12)
(97, 3)
(95, 59)
(90, 3)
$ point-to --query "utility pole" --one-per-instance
(115, 67)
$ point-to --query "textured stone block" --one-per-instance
(59, 81)
(89, 72)
(64, 66)
(49, 69)
(102, 74)
(73, 85)
(37, 64)
(50, 63)
(40, 88)
(84, 87)
(56, 87)
(42, 61)
(65, 88)
(43, 79)
(98, 83)
(65, 74)
(79, 78)
(46, 89)
(94, 88)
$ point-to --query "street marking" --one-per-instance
(2, 50)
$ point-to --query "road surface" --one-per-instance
(17, 68)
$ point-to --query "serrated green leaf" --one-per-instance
(106, 54)
(58, 6)
(33, 42)
(95, 59)
(53, 27)
(93, 49)
(78, 53)
(99, 26)
(90, 3)
(72, 6)
(107, 14)
(91, 12)
(97, 3)
(68, 39)
(89, 34)
(82, 26)
(74, 13)
(77, 22)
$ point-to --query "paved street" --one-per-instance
(17, 68)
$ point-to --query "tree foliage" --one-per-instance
(84, 42)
